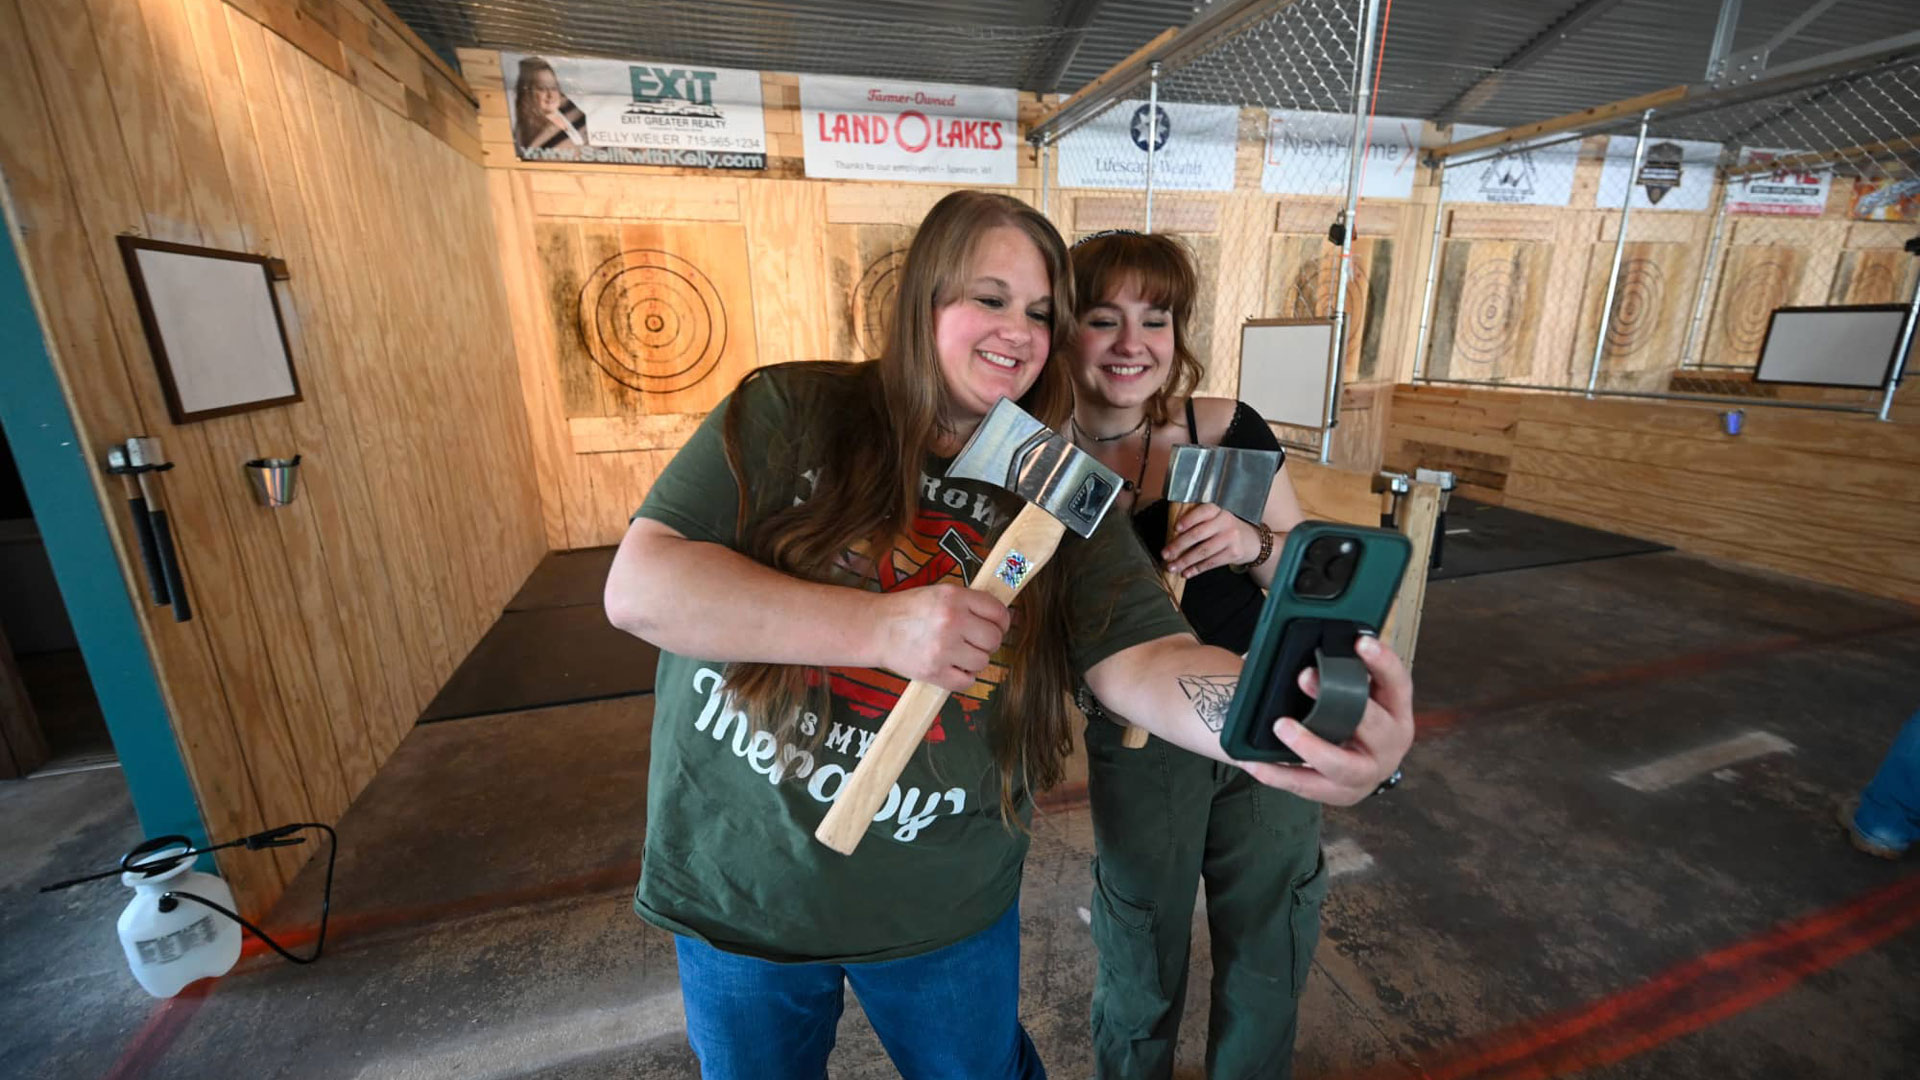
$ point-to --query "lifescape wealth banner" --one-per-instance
(901, 129)
(634, 112)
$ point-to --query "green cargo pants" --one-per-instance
(1163, 820)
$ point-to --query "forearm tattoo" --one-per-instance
(1210, 695)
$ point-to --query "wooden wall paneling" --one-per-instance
(387, 452)
(1782, 466)
(1823, 433)
(1219, 358)
(1675, 482)
(695, 280)
(1843, 577)
(375, 656)
(1171, 213)
(1467, 432)
(1555, 358)
(279, 552)
(358, 430)
(241, 759)
(602, 196)
(795, 308)
(603, 246)
(444, 469)
(619, 434)
(1893, 565)
(126, 56)
(513, 230)
(254, 594)
(863, 276)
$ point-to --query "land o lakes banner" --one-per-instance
(889, 129)
(1193, 148)
(634, 112)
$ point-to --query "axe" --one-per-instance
(1236, 481)
(1064, 488)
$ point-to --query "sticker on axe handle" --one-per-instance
(1014, 570)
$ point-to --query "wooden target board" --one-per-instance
(648, 319)
(1303, 273)
(1487, 309)
(1650, 311)
(866, 262)
(1873, 276)
(1756, 279)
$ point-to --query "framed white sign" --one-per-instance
(213, 323)
(1846, 345)
(1284, 368)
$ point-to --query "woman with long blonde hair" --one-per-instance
(799, 561)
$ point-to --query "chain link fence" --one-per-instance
(1243, 150)
(1681, 238)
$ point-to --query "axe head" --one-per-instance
(1236, 481)
(1013, 450)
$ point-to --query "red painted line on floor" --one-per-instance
(1439, 721)
(346, 927)
(164, 1024)
(1680, 1001)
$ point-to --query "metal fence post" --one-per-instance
(1045, 149)
(1619, 249)
(1153, 132)
(1356, 158)
(1900, 356)
(1433, 270)
(1687, 358)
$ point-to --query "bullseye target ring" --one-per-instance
(1637, 306)
(1760, 289)
(873, 302)
(1314, 284)
(652, 321)
(1489, 322)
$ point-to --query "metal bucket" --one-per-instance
(274, 479)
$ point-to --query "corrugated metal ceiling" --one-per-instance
(1436, 50)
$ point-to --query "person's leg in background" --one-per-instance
(953, 1014)
(1149, 831)
(751, 1019)
(1887, 820)
(1265, 884)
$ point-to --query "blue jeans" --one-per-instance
(1889, 811)
(950, 1014)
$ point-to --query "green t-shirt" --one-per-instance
(730, 855)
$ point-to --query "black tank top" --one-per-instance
(1223, 607)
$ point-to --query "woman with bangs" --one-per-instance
(801, 559)
(1164, 818)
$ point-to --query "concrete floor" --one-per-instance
(1513, 910)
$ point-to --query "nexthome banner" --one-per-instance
(894, 129)
(634, 112)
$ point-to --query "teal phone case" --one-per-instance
(1281, 649)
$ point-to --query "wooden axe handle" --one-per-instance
(1135, 736)
(1022, 550)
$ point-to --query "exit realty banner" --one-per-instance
(634, 112)
(887, 129)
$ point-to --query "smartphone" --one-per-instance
(1334, 583)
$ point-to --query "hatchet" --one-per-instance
(1064, 488)
(1236, 481)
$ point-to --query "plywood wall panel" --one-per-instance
(320, 628)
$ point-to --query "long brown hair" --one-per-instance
(868, 429)
(1159, 269)
(528, 119)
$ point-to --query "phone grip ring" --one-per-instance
(1344, 688)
